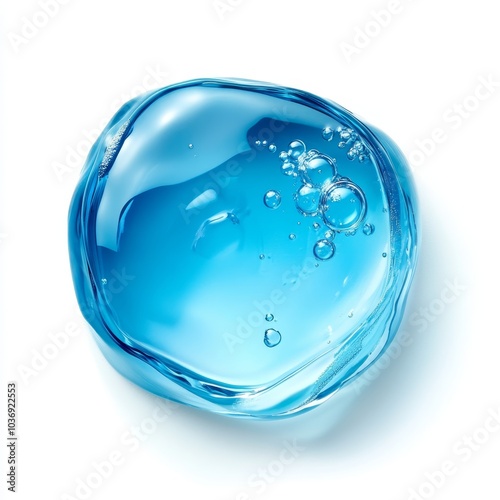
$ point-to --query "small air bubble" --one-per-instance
(262, 256)
(292, 236)
(323, 250)
(288, 168)
(269, 317)
(272, 337)
(328, 134)
(272, 199)
(104, 281)
(368, 229)
(190, 146)
(272, 148)
(384, 255)
(297, 149)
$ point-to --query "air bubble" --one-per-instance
(316, 225)
(272, 199)
(262, 256)
(323, 250)
(296, 149)
(104, 281)
(288, 168)
(368, 229)
(343, 206)
(327, 134)
(272, 337)
(292, 236)
(269, 317)
(272, 148)
(190, 146)
(345, 134)
(319, 169)
(307, 200)
(384, 255)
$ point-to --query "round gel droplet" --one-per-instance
(200, 248)
(272, 337)
(272, 199)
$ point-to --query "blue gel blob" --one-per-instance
(242, 247)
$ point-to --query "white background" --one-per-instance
(389, 433)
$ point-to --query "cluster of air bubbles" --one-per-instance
(350, 139)
(293, 159)
(272, 337)
(337, 201)
(261, 145)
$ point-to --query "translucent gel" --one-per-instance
(242, 247)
